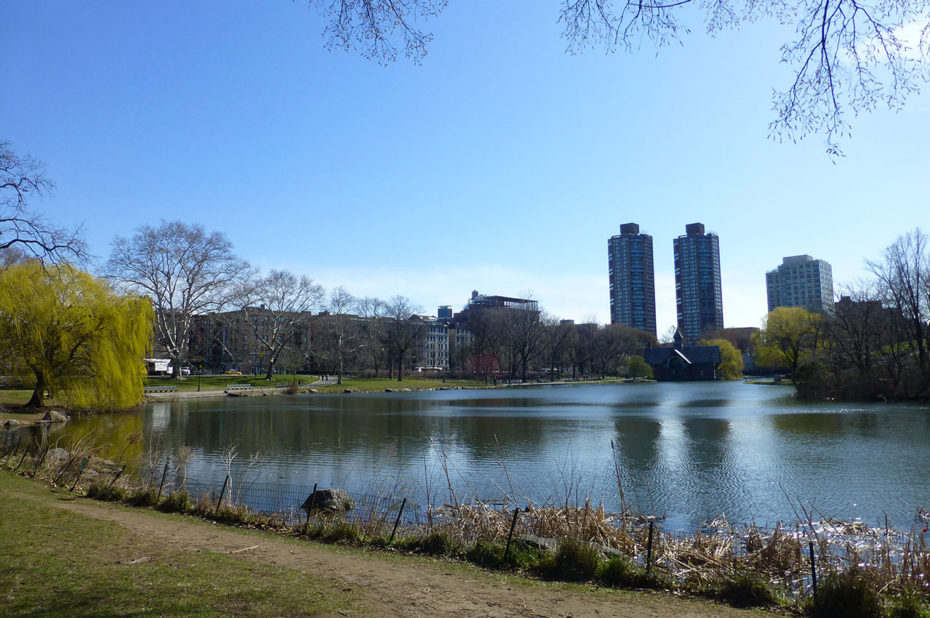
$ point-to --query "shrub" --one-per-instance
(340, 532)
(908, 605)
(142, 497)
(99, 491)
(178, 502)
(231, 515)
(573, 561)
(619, 572)
(849, 594)
(407, 543)
(746, 591)
(485, 553)
(439, 544)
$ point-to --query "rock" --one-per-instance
(334, 500)
(12, 422)
(57, 454)
(312, 390)
(54, 416)
(388, 390)
(538, 542)
(348, 390)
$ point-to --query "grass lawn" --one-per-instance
(61, 563)
(218, 383)
(379, 384)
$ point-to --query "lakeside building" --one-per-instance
(632, 279)
(698, 291)
(230, 340)
(432, 350)
(683, 363)
(473, 318)
(801, 281)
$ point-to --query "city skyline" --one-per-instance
(499, 164)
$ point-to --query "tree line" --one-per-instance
(205, 298)
(86, 335)
(874, 344)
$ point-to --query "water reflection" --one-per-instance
(689, 451)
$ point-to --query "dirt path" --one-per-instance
(394, 586)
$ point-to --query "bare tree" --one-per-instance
(185, 270)
(342, 328)
(372, 312)
(847, 55)
(558, 337)
(22, 178)
(404, 329)
(904, 276)
(378, 27)
(522, 333)
(274, 306)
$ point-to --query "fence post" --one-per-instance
(118, 474)
(397, 521)
(222, 493)
(80, 472)
(164, 473)
(22, 459)
(513, 524)
(649, 548)
(813, 569)
(309, 507)
(13, 452)
(41, 459)
(64, 468)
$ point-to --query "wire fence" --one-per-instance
(788, 555)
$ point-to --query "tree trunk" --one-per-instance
(400, 367)
(38, 395)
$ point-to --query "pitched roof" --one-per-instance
(691, 354)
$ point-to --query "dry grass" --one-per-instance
(897, 563)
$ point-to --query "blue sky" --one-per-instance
(501, 164)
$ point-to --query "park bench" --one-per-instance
(159, 389)
(238, 389)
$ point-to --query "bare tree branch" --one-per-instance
(184, 270)
(22, 178)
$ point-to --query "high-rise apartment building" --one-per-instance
(632, 279)
(698, 295)
(801, 281)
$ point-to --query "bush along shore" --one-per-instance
(814, 566)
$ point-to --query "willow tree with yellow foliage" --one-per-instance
(789, 337)
(731, 360)
(83, 342)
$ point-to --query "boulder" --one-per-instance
(54, 416)
(57, 454)
(334, 500)
(11, 422)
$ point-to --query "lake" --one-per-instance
(687, 451)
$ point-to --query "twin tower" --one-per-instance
(699, 301)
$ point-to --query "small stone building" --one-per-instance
(684, 363)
